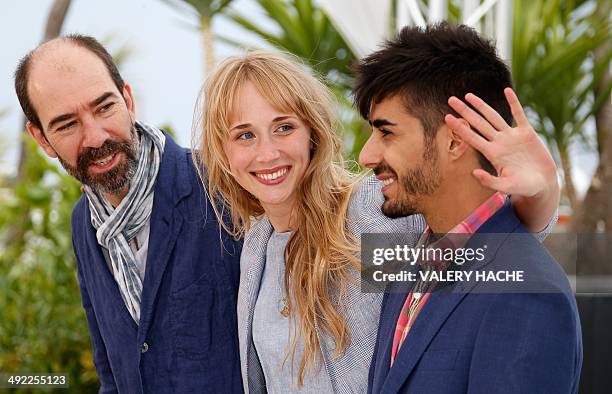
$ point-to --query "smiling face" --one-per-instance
(86, 122)
(268, 150)
(402, 157)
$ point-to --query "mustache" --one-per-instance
(383, 168)
(89, 155)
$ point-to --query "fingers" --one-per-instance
(475, 140)
(485, 109)
(474, 119)
(516, 108)
(490, 181)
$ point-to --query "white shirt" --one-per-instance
(140, 247)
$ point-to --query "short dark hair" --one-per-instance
(23, 71)
(426, 67)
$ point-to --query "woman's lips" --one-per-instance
(272, 176)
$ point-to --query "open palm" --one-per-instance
(524, 165)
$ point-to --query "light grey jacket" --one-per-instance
(348, 373)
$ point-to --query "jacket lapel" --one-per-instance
(390, 313)
(252, 263)
(434, 314)
(173, 184)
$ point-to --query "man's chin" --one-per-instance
(112, 181)
(113, 188)
(394, 210)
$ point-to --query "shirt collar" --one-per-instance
(468, 226)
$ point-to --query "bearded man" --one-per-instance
(158, 280)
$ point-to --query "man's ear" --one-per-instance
(129, 99)
(456, 146)
(40, 138)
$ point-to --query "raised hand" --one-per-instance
(524, 165)
(525, 168)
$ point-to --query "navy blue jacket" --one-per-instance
(187, 338)
(471, 342)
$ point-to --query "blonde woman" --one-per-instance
(267, 139)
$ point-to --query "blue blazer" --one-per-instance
(187, 339)
(470, 342)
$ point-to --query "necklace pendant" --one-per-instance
(284, 308)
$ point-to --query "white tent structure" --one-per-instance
(364, 24)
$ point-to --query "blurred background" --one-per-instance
(559, 52)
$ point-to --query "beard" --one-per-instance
(115, 179)
(414, 184)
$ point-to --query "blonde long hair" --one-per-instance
(320, 256)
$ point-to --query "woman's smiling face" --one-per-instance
(268, 150)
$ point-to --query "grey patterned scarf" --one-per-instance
(116, 227)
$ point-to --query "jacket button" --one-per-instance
(145, 348)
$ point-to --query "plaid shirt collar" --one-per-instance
(468, 226)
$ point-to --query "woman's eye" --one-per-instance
(285, 128)
(246, 136)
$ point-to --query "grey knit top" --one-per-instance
(273, 332)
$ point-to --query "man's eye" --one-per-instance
(66, 126)
(246, 136)
(385, 132)
(106, 107)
